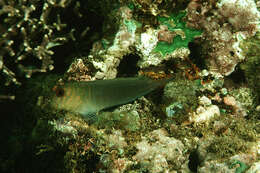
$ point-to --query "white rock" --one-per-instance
(205, 101)
(204, 115)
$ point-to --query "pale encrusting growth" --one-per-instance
(226, 24)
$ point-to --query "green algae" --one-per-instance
(132, 25)
(242, 166)
(245, 96)
(174, 22)
(131, 5)
(180, 98)
(251, 70)
(125, 120)
(226, 146)
(172, 109)
(235, 135)
(251, 66)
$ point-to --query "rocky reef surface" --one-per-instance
(206, 119)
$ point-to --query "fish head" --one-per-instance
(72, 97)
(69, 97)
(65, 98)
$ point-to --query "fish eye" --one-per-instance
(59, 91)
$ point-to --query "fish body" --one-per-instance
(89, 97)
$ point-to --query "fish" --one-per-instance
(89, 97)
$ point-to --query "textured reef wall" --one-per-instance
(206, 119)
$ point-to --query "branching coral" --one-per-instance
(24, 36)
(27, 35)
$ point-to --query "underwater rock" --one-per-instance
(152, 49)
(254, 168)
(225, 153)
(69, 125)
(159, 153)
(204, 114)
(126, 119)
(217, 81)
(237, 107)
(223, 30)
(241, 14)
(179, 97)
(181, 91)
(197, 123)
(106, 56)
(233, 165)
(116, 139)
(205, 101)
(245, 97)
(78, 71)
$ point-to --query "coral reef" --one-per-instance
(27, 36)
(174, 34)
(157, 150)
(204, 119)
(180, 97)
(37, 36)
(251, 65)
(153, 45)
(225, 24)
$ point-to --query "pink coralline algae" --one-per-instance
(225, 25)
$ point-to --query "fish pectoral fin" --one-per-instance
(90, 117)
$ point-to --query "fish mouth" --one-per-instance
(58, 94)
(59, 91)
(54, 102)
